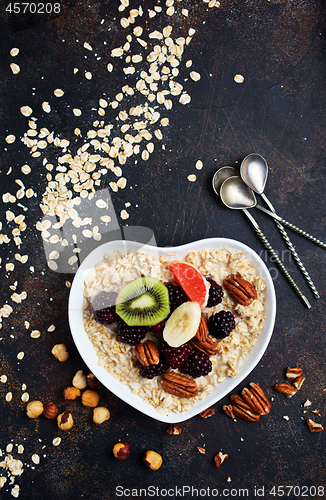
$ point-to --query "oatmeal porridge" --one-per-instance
(118, 358)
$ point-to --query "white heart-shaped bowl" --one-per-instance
(87, 351)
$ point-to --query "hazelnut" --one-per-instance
(60, 352)
(100, 415)
(121, 451)
(152, 460)
(79, 380)
(34, 409)
(92, 382)
(71, 393)
(65, 421)
(50, 411)
(90, 398)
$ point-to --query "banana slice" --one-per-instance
(183, 324)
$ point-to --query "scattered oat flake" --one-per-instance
(15, 68)
(77, 112)
(46, 106)
(56, 441)
(72, 260)
(88, 46)
(35, 334)
(25, 397)
(199, 165)
(14, 52)
(124, 214)
(58, 92)
(88, 75)
(238, 78)
(192, 177)
(8, 397)
(35, 459)
(3, 379)
(20, 355)
(195, 76)
(52, 265)
(51, 328)
(10, 138)
(26, 110)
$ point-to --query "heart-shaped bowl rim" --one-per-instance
(87, 351)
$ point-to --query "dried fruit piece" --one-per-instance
(183, 324)
(192, 281)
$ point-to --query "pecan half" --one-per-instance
(228, 409)
(260, 395)
(219, 458)
(299, 381)
(174, 429)
(240, 289)
(147, 353)
(207, 346)
(202, 332)
(292, 373)
(242, 410)
(179, 385)
(313, 426)
(209, 412)
(286, 389)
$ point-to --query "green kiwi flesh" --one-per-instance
(143, 302)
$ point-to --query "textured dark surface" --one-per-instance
(279, 112)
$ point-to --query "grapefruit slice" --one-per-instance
(192, 281)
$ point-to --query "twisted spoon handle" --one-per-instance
(276, 258)
(292, 249)
(292, 226)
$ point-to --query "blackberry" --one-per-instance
(175, 356)
(215, 293)
(103, 306)
(197, 364)
(152, 371)
(131, 335)
(221, 324)
(177, 296)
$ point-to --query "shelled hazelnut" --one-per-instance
(121, 451)
(92, 382)
(79, 381)
(60, 352)
(100, 415)
(71, 393)
(65, 421)
(152, 460)
(50, 411)
(90, 398)
(34, 409)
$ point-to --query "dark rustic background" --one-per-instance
(279, 112)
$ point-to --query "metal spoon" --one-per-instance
(254, 171)
(219, 179)
(241, 196)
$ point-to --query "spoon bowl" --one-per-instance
(236, 194)
(254, 171)
(221, 175)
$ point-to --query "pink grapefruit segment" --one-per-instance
(192, 281)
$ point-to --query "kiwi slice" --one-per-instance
(143, 302)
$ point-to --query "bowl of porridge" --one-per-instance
(113, 265)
